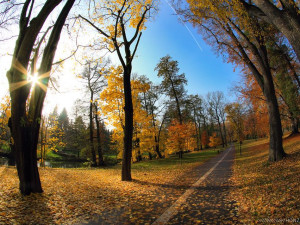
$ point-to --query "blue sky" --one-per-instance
(204, 71)
(164, 35)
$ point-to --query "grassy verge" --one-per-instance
(51, 155)
(174, 161)
(73, 196)
(267, 193)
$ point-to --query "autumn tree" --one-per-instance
(286, 79)
(235, 116)
(126, 17)
(180, 136)
(214, 140)
(79, 133)
(93, 77)
(195, 107)
(244, 40)
(216, 102)
(112, 105)
(282, 14)
(55, 132)
(150, 101)
(173, 85)
(27, 96)
(249, 92)
(5, 134)
(204, 139)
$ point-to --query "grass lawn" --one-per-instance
(77, 195)
(268, 193)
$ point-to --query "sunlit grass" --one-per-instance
(174, 161)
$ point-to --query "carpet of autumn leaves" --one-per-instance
(75, 196)
(268, 193)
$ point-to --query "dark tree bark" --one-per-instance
(26, 124)
(99, 144)
(286, 20)
(265, 81)
(128, 129)
(91, 128)
(276, 151)
(119, 24)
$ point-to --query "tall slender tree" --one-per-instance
(123, 15)
(173, 85)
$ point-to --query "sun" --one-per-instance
(33, 78)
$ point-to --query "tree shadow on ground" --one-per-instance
(32, 209)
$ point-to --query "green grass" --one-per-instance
(174, 161)
(51, 155)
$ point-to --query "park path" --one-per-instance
(204, 201)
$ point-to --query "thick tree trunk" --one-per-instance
(26, 123)
(27, 161)
(25, 138)
(286, 20)
(128, 130)
(276, 151)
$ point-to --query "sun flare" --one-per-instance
(33, 78)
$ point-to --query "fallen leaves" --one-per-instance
(267, 190)
(73, 196)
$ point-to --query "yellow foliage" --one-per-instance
(5, 113)
(112, 104)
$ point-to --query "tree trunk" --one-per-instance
(286, 20)
(99, 147)
(157, 147)
(128, 130)
(150, 155)
(92, 147)
(26, 123)
(295, 126)
(276, 151)
(225, 133)
(221, 133)
(25, 139)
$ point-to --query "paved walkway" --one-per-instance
(205, 202)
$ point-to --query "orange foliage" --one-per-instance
(214, 140)
(181, 137)
(204, 139)
(257, 120)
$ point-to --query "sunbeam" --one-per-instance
(34, 79)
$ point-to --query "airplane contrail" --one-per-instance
(194, 38)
